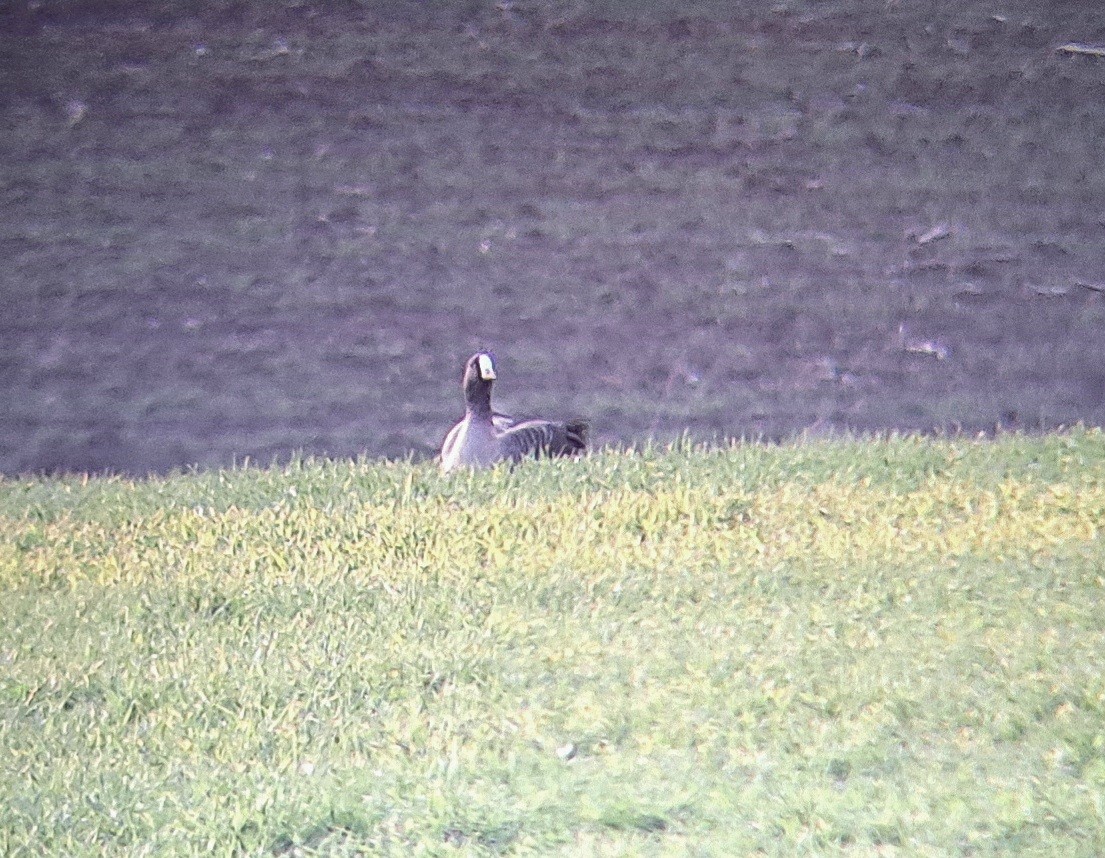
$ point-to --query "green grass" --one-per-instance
(861, 647)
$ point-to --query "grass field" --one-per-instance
(860, 647)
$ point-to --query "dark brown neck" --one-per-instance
(477, 397)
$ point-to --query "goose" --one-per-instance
(485, 437)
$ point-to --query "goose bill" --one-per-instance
(487, 368)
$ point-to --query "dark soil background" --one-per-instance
(262, 227)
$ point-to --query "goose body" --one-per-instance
(485, 437)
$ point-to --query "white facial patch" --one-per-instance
(487, 368)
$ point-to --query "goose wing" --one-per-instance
(502, 422)
(543, 438)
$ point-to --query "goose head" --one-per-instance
(479, 373)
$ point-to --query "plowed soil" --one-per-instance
(269, 227)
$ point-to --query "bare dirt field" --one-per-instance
(268, 227)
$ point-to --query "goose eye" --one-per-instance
(486, 367)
